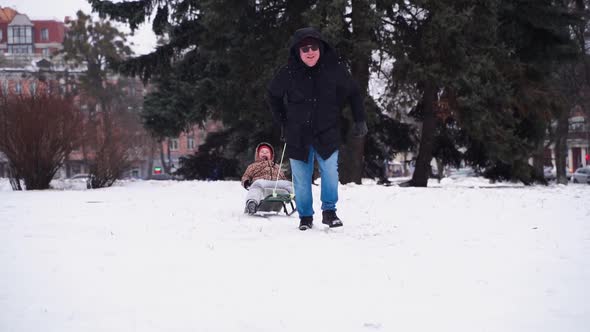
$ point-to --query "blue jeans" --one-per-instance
(302, 176)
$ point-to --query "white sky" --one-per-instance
(144, 40)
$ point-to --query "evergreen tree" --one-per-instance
(570, 82)
(440, 48)
(110, 126)
(536, 37)
(219, 55)
(96, 46)
(487, 60)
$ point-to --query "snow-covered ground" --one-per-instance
(181, 256)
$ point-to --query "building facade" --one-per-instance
(29, 59)
(22, 39)
(171, 149)
(578, 142)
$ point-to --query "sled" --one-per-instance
(277, 201)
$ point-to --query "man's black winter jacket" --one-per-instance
(308, 101)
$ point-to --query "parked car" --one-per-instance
(464, 172)
(549, 173)
(162, 176)
(81, 176)
(581, 175)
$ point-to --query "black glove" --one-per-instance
(360, 129)
(247, 184)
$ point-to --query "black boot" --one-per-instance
(305, 223)
(330, 218)
(251, 207)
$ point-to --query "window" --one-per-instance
(33, 87)
(20, 35)
(18, 88)
(45, 52)
(174, 144)
(190, 143)
(20, 49)
(576, 127)
(1, 34)
(577, 124)
(44, 34)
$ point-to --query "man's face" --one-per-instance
(264, 153)
(310, 54)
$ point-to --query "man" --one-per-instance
(307, 96)
(261, 174)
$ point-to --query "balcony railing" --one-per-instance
(9, 60)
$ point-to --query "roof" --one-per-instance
(44, 63)
(7, 14)
(21, 19)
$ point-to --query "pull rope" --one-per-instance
(274, 191)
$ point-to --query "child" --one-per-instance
(261, 174)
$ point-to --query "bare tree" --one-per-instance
(113, 134)
(37, 132)
(115, 137)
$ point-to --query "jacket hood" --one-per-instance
(272, 151)
(327, 52)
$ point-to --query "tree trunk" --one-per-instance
(68, 166)
(440, 169)
(153, 146)
(539, 162)
(169, 164)
(405, 171)
(561, 146)
(353, 151)
(351, 157)
(422, 171)
(165, 165)
(14, 178)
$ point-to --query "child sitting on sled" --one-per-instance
(263, 176)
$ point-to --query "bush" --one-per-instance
(37, 132)
(205, 166)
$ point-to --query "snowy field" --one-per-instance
(181, 256)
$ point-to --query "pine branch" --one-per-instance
(133, 13)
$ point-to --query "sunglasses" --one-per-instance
(306, 49)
